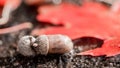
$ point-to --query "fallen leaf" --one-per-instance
(89, 20)
(13, 2)
(109, 48)
(2, 2)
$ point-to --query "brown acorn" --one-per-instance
(24, 46)
(44, 44)
(52, 44)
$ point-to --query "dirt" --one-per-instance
(10, 58)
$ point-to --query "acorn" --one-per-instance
(45, 44)
(24, 46)
(52, 44)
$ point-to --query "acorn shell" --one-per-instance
(24, 46)
(55, 44)
(59, 44)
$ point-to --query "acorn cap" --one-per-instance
(24, 46)
(41, 45)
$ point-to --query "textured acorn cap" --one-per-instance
(41, 45)
(24, 46)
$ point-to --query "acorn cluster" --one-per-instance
(44, 44)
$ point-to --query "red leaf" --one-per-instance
(13, 3)
(91, 19)
(58, 15)
(2, 2)
(109, 48)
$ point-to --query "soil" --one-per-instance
(10, 58)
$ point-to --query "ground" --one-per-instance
(10, 58)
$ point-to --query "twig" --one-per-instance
(9, 6)
(22, 26)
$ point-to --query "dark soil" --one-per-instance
(10, 58)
